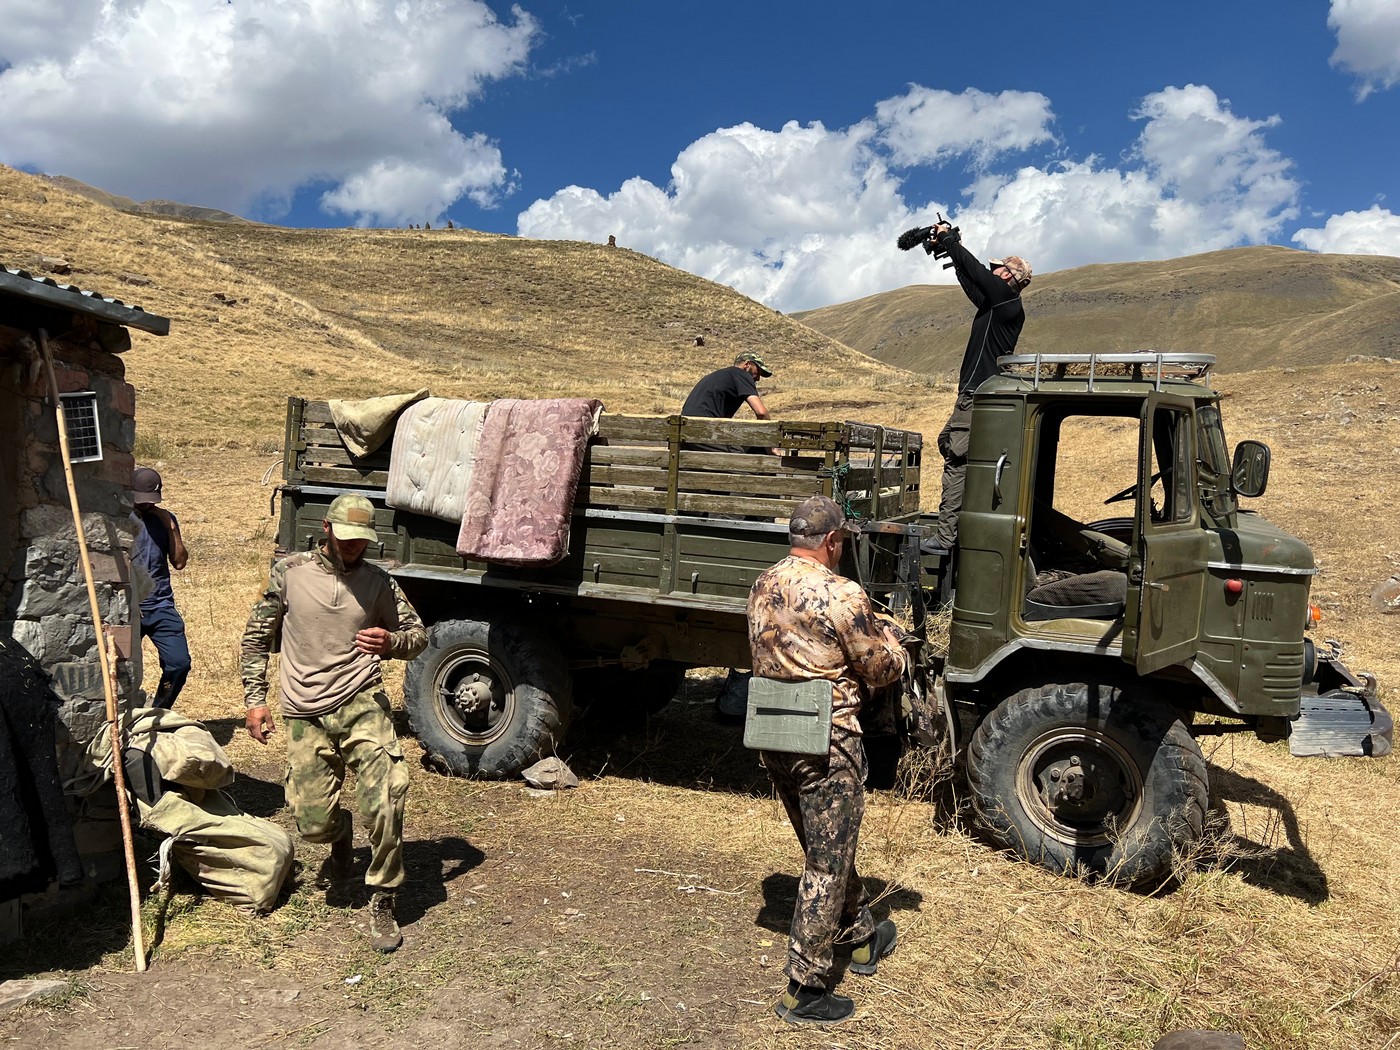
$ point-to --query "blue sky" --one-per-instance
(777, 147)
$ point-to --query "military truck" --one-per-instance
(666, 541)
(1084, 658)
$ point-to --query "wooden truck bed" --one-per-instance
(653, 521)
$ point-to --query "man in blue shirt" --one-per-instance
(158, 548)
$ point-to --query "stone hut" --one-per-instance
(44, 608)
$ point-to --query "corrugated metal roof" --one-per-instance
(46, 290)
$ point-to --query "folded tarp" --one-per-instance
(520, 498)
(430, 466)
(364, 425)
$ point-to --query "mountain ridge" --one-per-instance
(1253, 307)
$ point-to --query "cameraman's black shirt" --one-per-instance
(719, 394)
(998, 323)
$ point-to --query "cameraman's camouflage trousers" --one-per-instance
(952, 445)
(361, 734)
(824, 796)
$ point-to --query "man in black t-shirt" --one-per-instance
(719, 395)
(995, 289)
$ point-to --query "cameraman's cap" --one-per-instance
(351, 518)
(145, 485)
(818, 515)
(1017, 266)
(753, 359)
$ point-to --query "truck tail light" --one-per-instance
(1314, 615)
(1234, 586)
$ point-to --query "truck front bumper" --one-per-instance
(1345, 721)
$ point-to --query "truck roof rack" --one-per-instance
(1151, 365)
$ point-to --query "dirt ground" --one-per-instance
(644, 944)
(648, 908)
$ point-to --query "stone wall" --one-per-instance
(43, 597)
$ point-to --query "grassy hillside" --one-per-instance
(1253, 308)
(354, 312)
(169, 209)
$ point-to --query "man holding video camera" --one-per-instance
(995, 289)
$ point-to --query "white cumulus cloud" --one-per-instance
(788, 217)
(807, 215)
(250, 102)
(1375, 231)
(926, 125)
(1368, 41)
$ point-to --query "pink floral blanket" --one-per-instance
(521, 496)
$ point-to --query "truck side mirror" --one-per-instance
(1249, 474)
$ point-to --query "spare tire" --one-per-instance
(488, 698)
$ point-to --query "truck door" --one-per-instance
(1167, 574)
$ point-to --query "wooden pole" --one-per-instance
(109, 667)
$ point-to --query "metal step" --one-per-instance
(1341, 723)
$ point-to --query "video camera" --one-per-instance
(936, 242)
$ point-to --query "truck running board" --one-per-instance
(1341, 723)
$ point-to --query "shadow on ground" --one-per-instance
(1289, 868)
(684, 744)
(780, 897)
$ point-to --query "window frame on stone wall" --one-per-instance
(81, 420)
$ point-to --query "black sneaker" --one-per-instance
(802, 1005)
(866, 956)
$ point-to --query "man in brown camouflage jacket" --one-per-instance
(808, 623)
(336, 617)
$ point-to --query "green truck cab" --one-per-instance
(1085, 654)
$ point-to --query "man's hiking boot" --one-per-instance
(336, 868)
(384, 932)
(803, 1005)
(866, 956)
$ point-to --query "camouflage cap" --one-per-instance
(351, 518)
(753, 359)
(818, 515)
(1017, 266)
(145, 485)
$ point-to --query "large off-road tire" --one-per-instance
(1091, 779)
(488, 698)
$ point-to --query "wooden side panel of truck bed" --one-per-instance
(654, 521)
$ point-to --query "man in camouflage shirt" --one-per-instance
(808, 623)
(335, 617)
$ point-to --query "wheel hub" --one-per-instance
(472, 697)
(1079, 786)
(1071, 783)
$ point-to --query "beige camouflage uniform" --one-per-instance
(807, 622)
(333, 699)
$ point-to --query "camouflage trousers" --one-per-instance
(824, 796)
(359, 734)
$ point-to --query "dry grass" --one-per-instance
(551, 921)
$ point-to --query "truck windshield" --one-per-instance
(1213, 475)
